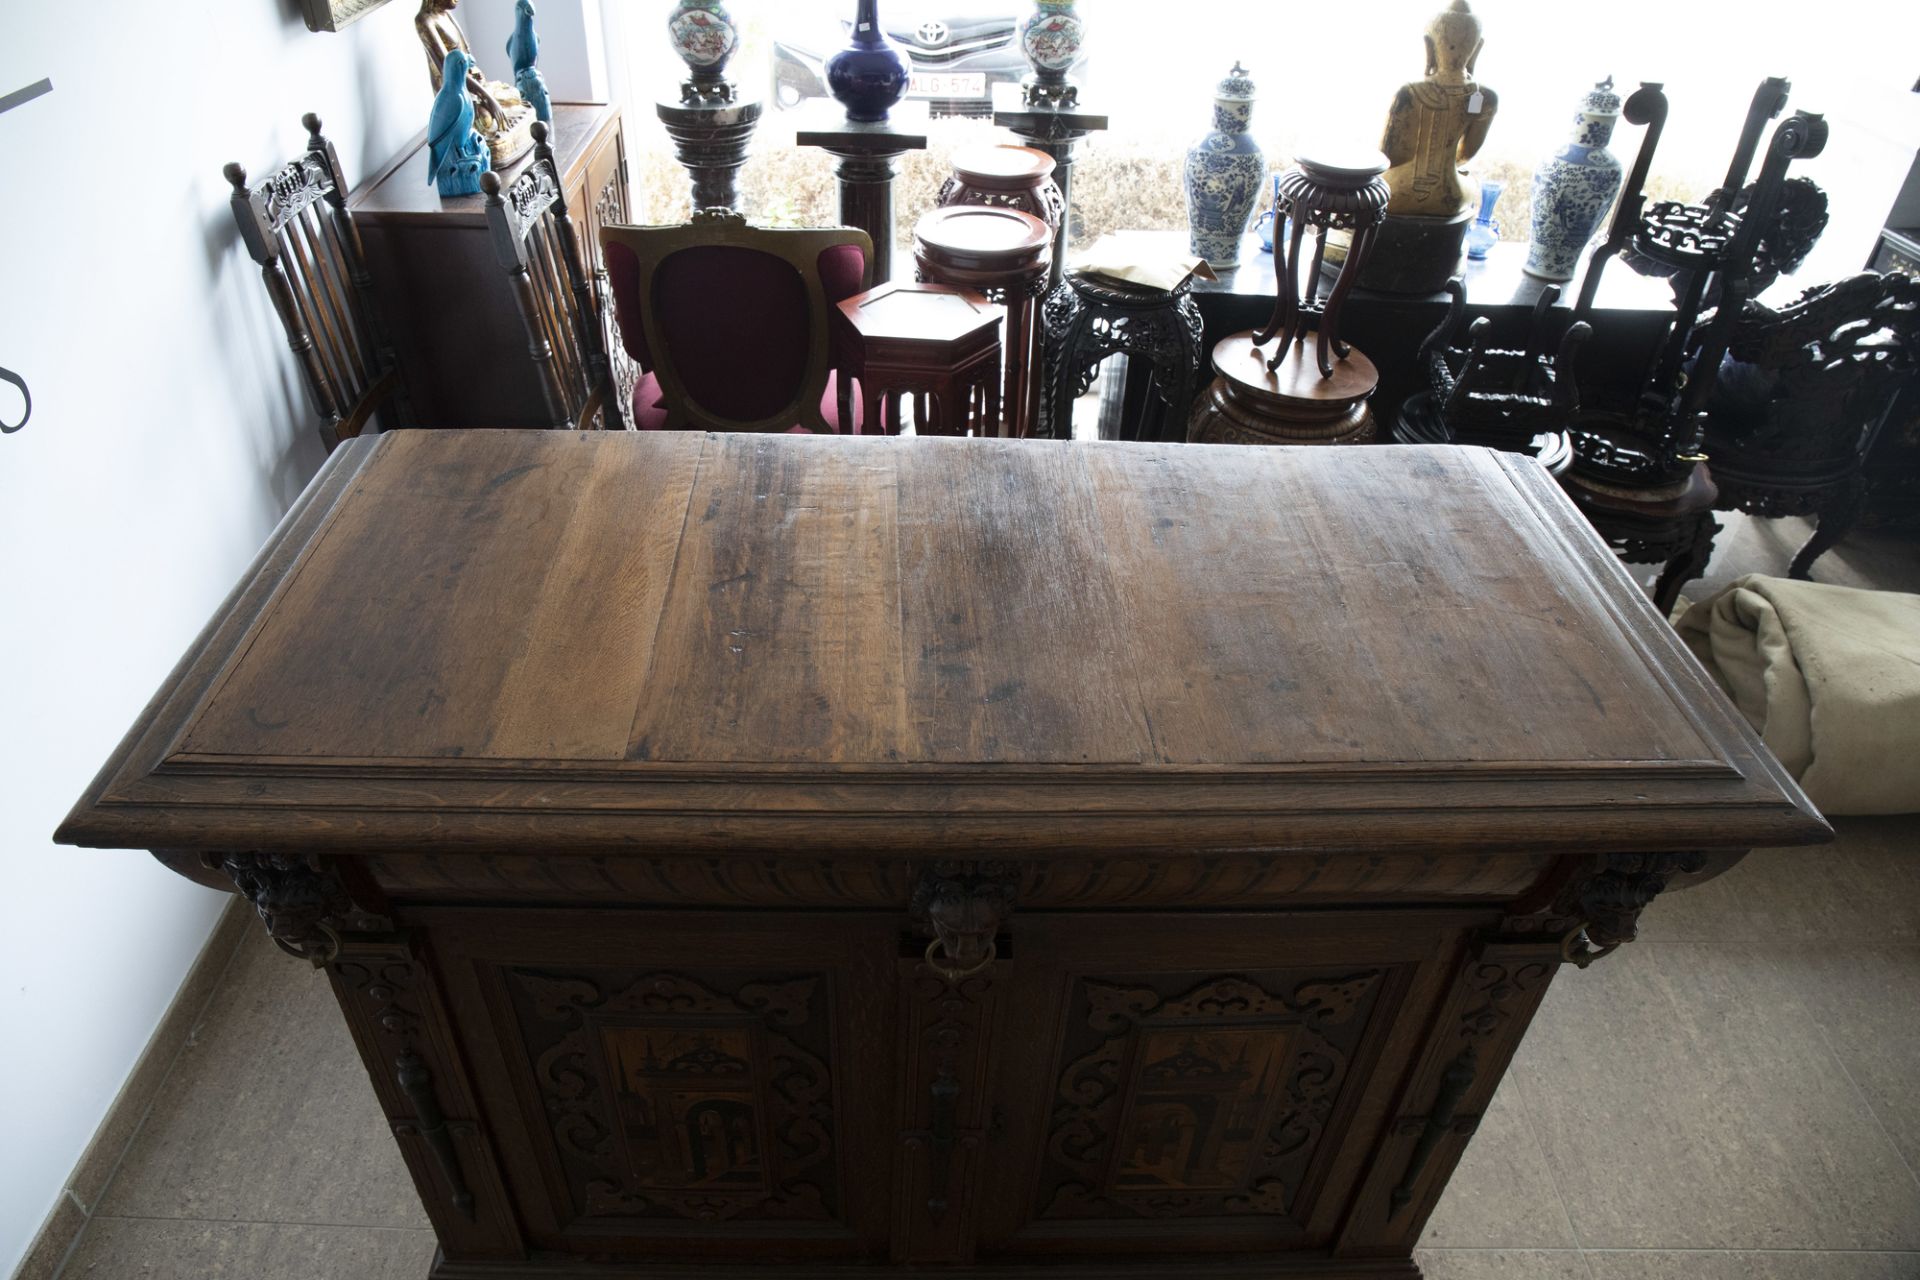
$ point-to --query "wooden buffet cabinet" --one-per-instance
(815, 856)
(448, 303)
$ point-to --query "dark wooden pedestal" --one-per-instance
(1291, 404)
(868, 158)
(780, 890)
(1058, 131)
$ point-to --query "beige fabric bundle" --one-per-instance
(1829, 676)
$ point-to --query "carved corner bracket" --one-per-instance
(1605, 904)
(301, 900)
(961, 906)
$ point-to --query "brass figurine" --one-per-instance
(1437, 124)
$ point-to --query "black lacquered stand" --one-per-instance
(868, 156)
(1057, 130)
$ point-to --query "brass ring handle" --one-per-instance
(321, 960)
(954, 975)
(1576, 950)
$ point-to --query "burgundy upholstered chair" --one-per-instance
(734, 325)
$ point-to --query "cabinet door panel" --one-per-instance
(683, 1083)
(1190, 1082)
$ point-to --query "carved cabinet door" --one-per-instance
(1181, 1083)
(686, 1083)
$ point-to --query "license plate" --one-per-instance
(948, 84)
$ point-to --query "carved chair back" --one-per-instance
(1805, 385)
(295, 224)
(1801, 399)
(536, 244)
(736, 323)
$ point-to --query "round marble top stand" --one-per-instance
(1291, 403)
(1087, 320)
(1419, 423)
(1006, 255)
(1005, 177)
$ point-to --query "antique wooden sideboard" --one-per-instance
(448, 303)
(819, 855)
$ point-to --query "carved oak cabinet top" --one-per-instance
(496, 639)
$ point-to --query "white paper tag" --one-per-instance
(1474, 103)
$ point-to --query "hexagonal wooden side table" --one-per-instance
(940, 344)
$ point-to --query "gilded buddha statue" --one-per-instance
(502, 117)
(1437, 124)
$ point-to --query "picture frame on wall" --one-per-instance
(335, 15)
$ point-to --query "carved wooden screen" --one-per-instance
(536, 243)
(295, 224)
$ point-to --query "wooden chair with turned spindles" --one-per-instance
(536, 244)
(296, 226)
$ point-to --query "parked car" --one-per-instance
(960, 49)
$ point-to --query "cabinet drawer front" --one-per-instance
(684, 1084)
(1190, 1081)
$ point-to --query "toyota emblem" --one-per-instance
(933, 34)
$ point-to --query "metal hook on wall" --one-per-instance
(26, 406)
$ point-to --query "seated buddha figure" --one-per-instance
(500, 114)
(1437, 124)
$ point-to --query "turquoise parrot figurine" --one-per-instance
(523, 46)
(456, 153)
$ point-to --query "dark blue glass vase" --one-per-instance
(870, 74)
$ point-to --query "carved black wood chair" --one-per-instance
(536, 244)
(295, 224)
(1801, 397)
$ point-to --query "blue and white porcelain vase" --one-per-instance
(1225, 171)
(871, 73)
(1485, 232)
(1573, 188)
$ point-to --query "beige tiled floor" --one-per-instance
(1736, 1096)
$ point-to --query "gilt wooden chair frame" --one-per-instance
(536, 244)
(295, 224)
(798, 247)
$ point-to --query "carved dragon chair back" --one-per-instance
(536, 244)
(735, 324)
(1801, 397)
(295, 224)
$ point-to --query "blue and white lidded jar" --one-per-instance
(1224, 174)
(1574, 187)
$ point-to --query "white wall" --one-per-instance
(572, 55)
(169, 432)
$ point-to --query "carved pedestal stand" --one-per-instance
(868, 155)
(710, 139)
(1288, 404)
(1057, 129)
